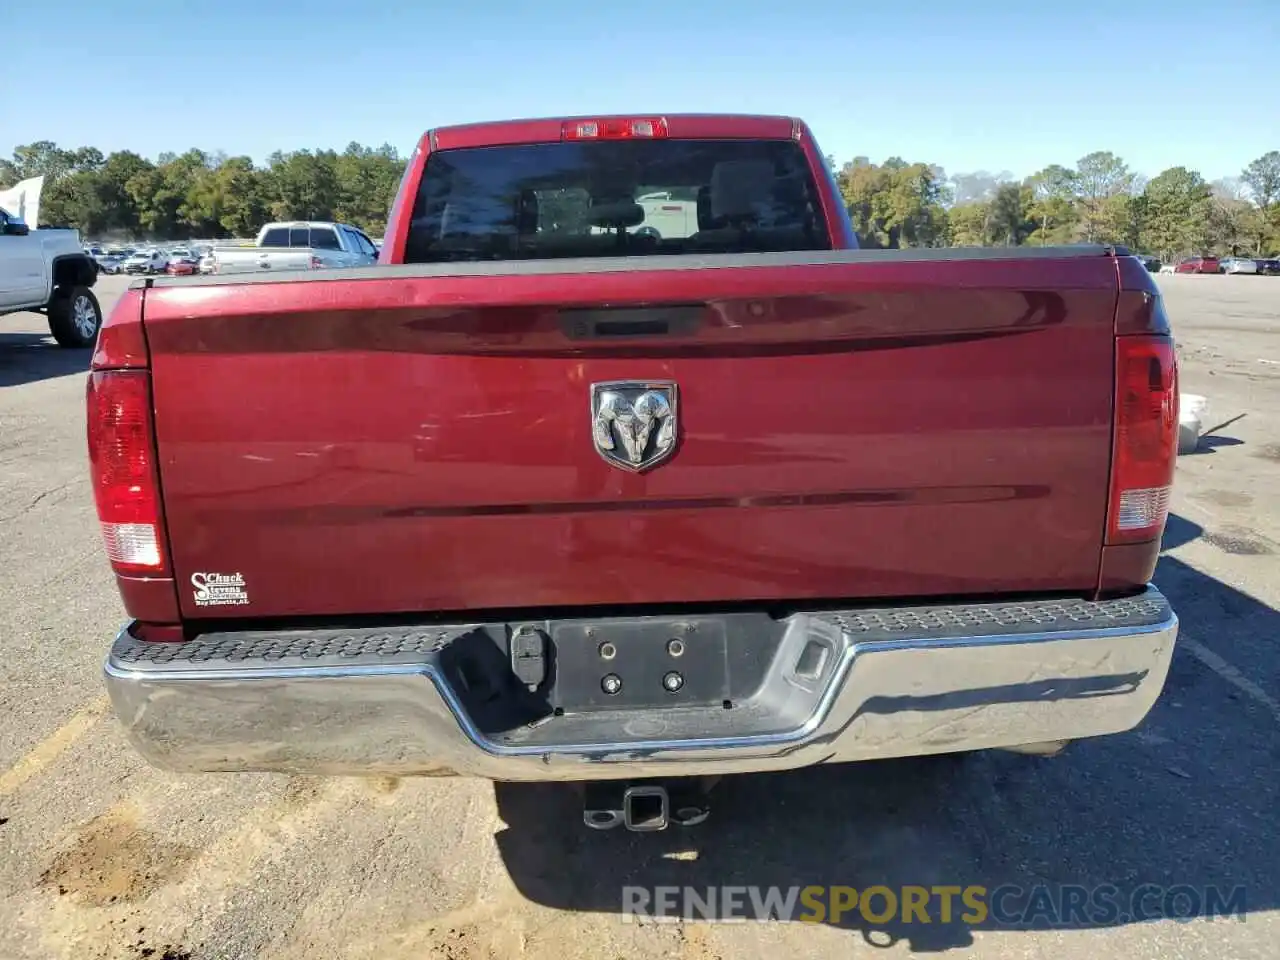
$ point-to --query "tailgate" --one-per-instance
(256, 261)
(854, 424)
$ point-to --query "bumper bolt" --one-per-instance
(611, 683)
(675, 647)
(672, 682)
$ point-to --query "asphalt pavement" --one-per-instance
(104, 857)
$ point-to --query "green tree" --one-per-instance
(206, 194)
(1052, 208)
(302, 185)
(366, 181)
(1178, 208)
(44, 158)
(1263, 178)
(78, 200)
(240, 191)
(166, 196)
(1232, 227)
(970, 224)
(1122, 218)
(1255, 232)
(1099, 176)
(1010, 222)
(118, 169)
(898, 204)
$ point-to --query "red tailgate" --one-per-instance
(413, 442)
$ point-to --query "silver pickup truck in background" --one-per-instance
(48, 271)
(298, 245)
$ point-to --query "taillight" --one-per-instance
(122, 469)
(1146, 438)
(315, 263)
(614, 128)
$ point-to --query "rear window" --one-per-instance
(276, 237)
(615, 198)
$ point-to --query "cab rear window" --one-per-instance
(615, 198)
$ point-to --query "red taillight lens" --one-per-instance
(316, 264)
(1146, 438)
(123, 470)
(614, 129)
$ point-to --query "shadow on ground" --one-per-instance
(1211, 439)
(29, 357)
(1186, 799)
(1210, 444)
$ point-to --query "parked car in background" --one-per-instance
(1269, 266)
(1199, 265)
(146, 261)
(109, 262)
(207, 262)
(1152, 264)
(49, 272)
(182, 266)
(299, 246)
(1239, 265)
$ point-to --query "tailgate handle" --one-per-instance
(606, 322)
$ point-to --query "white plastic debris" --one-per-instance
(1192, 409)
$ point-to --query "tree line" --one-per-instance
(893, 204)
(1098, 200)
(205, 195)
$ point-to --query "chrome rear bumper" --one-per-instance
(902, 681)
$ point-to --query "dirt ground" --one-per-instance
(104, 857)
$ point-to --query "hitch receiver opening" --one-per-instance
(646, 808)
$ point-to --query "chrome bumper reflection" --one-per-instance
(903, 696)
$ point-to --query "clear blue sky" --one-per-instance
(969, 85)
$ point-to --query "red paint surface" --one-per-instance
(870, 429)
(121, 342)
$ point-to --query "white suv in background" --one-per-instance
(145, 261)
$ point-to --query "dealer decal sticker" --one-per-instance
(219, 589)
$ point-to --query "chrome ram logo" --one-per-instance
(634, 422)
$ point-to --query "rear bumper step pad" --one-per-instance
(821, 686)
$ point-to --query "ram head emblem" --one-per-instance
(634, 423)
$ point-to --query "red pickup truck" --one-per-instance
(568, 489)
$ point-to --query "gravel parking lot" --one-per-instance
(104, 857)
